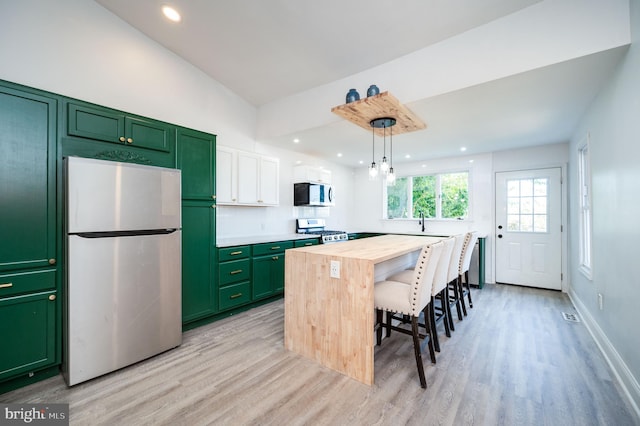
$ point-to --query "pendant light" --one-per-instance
(384, 168)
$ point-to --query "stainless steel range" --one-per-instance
(316, 227)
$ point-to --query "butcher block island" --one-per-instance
(329, 312)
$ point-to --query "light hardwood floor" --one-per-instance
(513, 361)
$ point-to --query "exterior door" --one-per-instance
(529, 228)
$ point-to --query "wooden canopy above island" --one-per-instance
(331, 320)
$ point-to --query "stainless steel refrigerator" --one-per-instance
(123, 286)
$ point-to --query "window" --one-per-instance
(584, 178)
(437, 196)
(527, 205)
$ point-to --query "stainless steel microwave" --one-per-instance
(312, 194)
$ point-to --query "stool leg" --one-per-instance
(432, 316)
(378, 327)
(417, 351)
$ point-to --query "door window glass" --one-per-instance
(527, 205)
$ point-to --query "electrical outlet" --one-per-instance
(600, 301)
(335, 269)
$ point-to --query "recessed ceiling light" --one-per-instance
(296, 140)
(471, 161)
(361, 162)
(407, 156)
(339, 154)
(171, 14)
(463, 148)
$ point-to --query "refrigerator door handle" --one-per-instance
(125, 233)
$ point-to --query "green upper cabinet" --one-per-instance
(27, 179)
(103, 124)
(197, 159)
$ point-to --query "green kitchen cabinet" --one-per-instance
(28, 330)
(234, 276)
(104, 124)
(196, 159)
(268, 268)
(199, 298)
(27, 180)
(30, 314)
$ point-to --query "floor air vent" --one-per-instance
(570, 317)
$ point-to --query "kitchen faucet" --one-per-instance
(421, 222)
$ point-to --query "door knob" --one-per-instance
(499, 226)
(499, 235)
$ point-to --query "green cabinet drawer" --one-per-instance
(306, 243)
(234, 271)
(24, 282)
(270, 248)
(235, 295)
(233, 253)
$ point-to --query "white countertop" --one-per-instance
(257, 239)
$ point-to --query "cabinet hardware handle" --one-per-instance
(275, 247)
(52, 297)
(129, 140)
(213, 196)
(6, 285)
(233, 199)
(213, 206)
(308, 244)
(274, 258)
(122, 139)
(52, 261)
(238, 271)
(235, 253)
(235, 296)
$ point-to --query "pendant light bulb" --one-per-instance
(391, 177)
(384, 166)
(373, 171)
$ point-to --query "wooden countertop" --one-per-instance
(374, 249)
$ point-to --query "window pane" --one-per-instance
(526, 187)
(424, 196)
(540, 223)
(455, 195)
(540, 205)
(526, 205)
(526, 223)
(398, 199)
(513, 222)
(513, 206)
(540, 187)
(513, 188)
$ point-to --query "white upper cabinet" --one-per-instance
(246, 179)
(311, 174)
(226, 176)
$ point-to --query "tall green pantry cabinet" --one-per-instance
(196, 158)
(29, 243)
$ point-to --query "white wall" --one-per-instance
(614, 125)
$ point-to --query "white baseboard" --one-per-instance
(626, 379)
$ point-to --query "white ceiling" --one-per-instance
(270, 49)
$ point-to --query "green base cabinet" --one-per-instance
(234, 276)
(268, 268)
(199, 297)
(28, 330)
